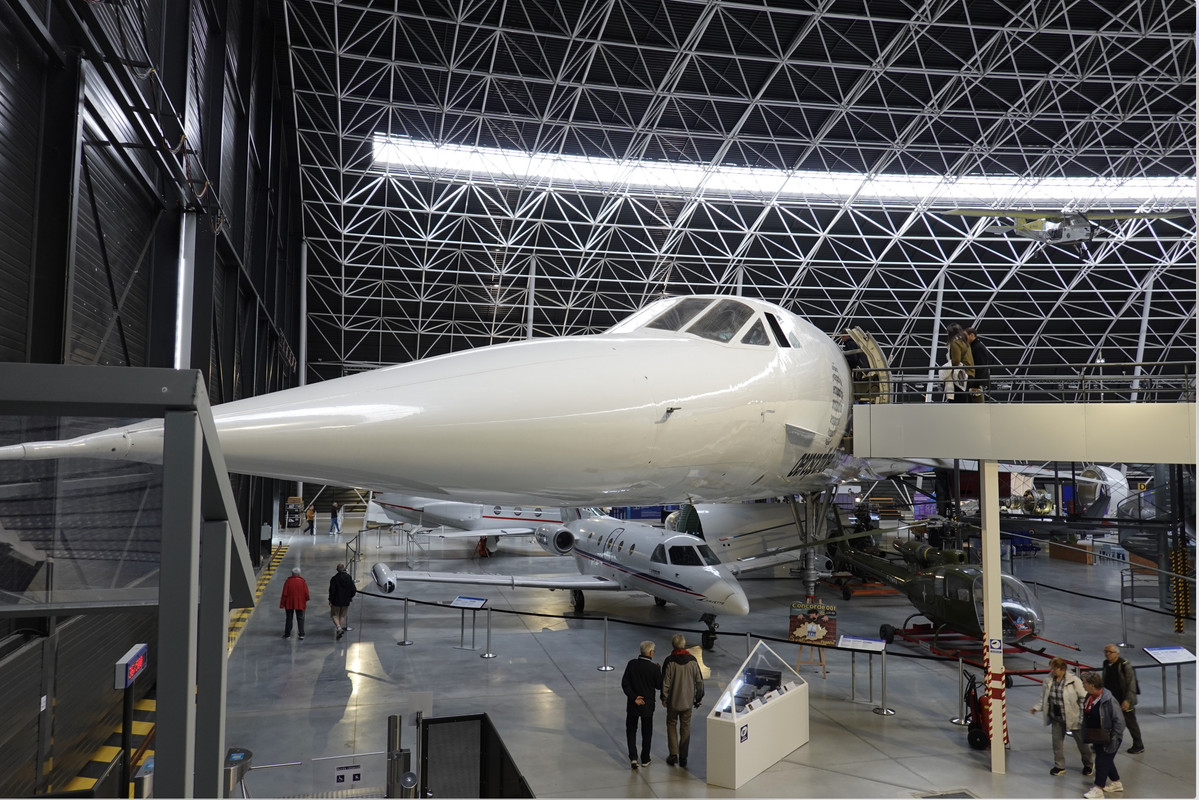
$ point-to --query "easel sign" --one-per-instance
(812, 626)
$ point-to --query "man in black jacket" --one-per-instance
(641, 682)
(341, 592)
(980, 384)
(1120, 679)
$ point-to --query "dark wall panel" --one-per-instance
(20, 104)
(87, 708)
(20, 695)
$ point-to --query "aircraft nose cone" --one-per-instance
(736, 605)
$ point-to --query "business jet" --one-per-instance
(615, 555)
(1063, 228)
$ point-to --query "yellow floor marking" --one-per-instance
(238, 620)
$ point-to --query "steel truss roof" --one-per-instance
(404, 264)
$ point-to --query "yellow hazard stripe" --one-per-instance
(238, 620)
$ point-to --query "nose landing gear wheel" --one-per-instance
(576, 600)
(708, 640)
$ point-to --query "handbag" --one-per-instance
(1099, 735)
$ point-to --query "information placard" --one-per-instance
(468, 602)
(1170, 655)
(862, 643)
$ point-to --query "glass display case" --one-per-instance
(760, 717)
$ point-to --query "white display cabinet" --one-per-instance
(761, 717)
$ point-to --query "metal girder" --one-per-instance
(404, 264)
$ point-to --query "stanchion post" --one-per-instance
(405, 641)
(488, 654)
(393, 755)
(883, 710)
(605, 667)
(852, 675)
(960, 719)
(1131, 591)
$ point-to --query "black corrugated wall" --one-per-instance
(116, 121)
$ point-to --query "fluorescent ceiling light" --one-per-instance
(414, 158)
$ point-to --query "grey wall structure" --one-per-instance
(147, 219)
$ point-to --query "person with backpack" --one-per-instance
(980, 384)
(682, 691)
(1121, 680)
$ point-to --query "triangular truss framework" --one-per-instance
(404, 265)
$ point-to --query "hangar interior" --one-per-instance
(280, 192)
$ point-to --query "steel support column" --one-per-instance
(178, 599)
(212, 651)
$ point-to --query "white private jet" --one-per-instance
(615, 555)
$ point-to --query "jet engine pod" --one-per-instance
(383, 578)
(555, 541)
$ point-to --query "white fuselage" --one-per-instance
(433, 512)
(643, 558)
(637, 415)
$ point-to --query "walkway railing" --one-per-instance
(1097, 382)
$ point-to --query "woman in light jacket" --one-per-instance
(1062, 696)
(1103, 720)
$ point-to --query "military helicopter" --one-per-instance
(1062, 228)
(945, 590)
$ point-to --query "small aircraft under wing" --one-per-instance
(617, 555)
(468, 520)
(1056, 227)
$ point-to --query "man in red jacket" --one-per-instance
(294, 601)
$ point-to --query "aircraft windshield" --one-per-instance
(708, 556)
(687, 555)
(723, 321)
(1021, 610)
(678, 315)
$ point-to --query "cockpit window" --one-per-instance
(756, 334)
(659, 556)
(685, 556)
(679, 314)
(723, 321)
(708, 556)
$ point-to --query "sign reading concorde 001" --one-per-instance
(813, 623)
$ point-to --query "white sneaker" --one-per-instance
(1113, 786)
(1094, 793)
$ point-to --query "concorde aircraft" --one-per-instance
(709, 397)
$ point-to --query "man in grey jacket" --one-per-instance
(682, 691)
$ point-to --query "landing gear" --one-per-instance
(708, 638)
(576, 600)
(658, 601)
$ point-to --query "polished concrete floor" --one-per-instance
(317, 704)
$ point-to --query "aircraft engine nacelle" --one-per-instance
(554, 540)
(383, 578)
